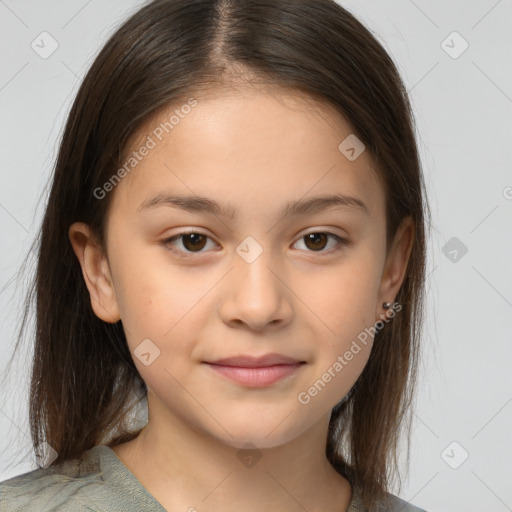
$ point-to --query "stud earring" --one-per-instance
(386, 305)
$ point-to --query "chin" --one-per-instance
(254, 434)
(254, 441)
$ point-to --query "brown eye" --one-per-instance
(192, 242)
(318, 240)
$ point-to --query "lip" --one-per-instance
(256, 362)
(256, 371)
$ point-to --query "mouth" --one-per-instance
(256, 371)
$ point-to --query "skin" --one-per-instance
(256, 150)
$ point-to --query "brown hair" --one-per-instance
(166, 52)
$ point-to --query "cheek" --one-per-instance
(343, 302)
(162, 315)
(343, 299)
(155, 298)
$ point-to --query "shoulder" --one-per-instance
(71, 485)
(396, 504)
(390, 503)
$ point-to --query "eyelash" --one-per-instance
(186, 254)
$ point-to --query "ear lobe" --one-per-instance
(95, 271)
(396, 263)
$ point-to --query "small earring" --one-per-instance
(386, 305)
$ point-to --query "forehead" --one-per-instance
(249, 148)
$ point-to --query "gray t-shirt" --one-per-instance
(100, 482)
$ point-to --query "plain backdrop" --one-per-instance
(455, 58)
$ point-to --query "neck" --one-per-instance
(185, 469)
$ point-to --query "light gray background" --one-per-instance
(463, 108)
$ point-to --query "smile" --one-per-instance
(256, 377)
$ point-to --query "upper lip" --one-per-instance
(256, 362)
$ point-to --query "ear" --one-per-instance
(96, 272)
(396, 263)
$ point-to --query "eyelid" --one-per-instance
(166, 242)
(341, 241)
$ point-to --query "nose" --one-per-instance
(257, 294)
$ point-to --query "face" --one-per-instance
(193, 285)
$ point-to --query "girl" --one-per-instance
(235, 235)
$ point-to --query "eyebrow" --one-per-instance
(197, 204)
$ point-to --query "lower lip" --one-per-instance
(256, 377)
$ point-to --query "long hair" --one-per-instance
(83, 376)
